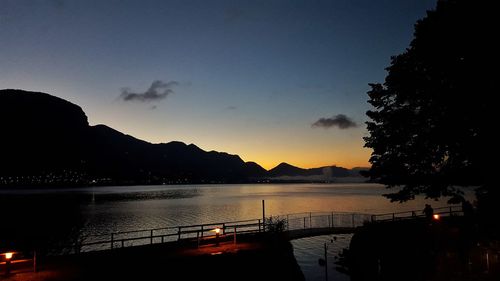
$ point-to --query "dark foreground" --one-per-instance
(267, 259)
(451, 248)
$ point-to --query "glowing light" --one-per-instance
(8, 255)
(436, 217)
(217, 230)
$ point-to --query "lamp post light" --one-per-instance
(435, 217)
(8, 258)
(217, 232)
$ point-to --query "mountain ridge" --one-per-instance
(49, 142)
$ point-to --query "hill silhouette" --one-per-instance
(289, 173)
(285, 169)
(47, 141)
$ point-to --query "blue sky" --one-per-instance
(251, 77)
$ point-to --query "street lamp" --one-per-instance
(324, 262)
(8, 257)
(217, 232)
(435, 217)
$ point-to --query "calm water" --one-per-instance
(307, 251)
(124, 208)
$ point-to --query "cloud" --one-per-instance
(340, 120)
(157, 91)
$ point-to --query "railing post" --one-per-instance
(310, 220)
(179, 234)
(198, 237)
(162, 239)
(304, 222)
(234, 235)
(263, 216)
(151, 236)
(393, 217)
(202, 230)
(287, 224)
(259, 225)
(332, 219)
(329, 222)
(373, 218)
(223, 229)
(112, 238)
(34, 261)
(123, 243)
(352, 220)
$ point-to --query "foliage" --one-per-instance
(276, 224)
(431, 123)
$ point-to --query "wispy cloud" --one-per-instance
(340, 120)
(157, 91)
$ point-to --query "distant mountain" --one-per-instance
(285, 169)
(288, 173)
(48, 141)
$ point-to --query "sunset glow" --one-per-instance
(299, 98)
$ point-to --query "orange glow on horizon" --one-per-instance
(302, 147)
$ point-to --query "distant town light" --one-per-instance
(8, 255)
(436, 217)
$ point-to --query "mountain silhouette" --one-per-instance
(47, 141)
(285, 169)
(285, 172)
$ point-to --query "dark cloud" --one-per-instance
(340, 120)
(157, 91)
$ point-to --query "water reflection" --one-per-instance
(308, 251)
(113, 209)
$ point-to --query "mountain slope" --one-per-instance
(289, 173)
(47, 140)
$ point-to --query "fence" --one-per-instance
(206, 231)
(454, 210)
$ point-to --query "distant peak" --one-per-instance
(180, 143)
(284, 164)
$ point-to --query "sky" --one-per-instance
(272, 81)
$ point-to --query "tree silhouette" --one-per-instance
(431, 124)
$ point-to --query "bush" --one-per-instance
(276, 224)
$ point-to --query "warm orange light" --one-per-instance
(436, 217)
(217, 230)
(8, 255)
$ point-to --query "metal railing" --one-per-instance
(454, 210)
(206, 231)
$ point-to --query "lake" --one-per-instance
(103, 210)
(125, 208)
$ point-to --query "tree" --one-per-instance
(431, 123)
